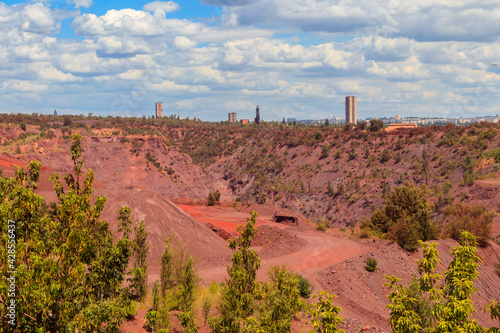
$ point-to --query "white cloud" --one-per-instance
(23, 86)
(294, 59)
(183, 43)
(166, 7)
(82, 3)
(427, 20)
(38, 18)
(54, 75)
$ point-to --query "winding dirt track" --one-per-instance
(322, 250)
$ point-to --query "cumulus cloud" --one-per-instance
(82, 3)
(227, 2)
(166, 7)
(424, 20)
(417, 56)
(183, 42)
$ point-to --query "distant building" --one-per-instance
(159, 110)
(55, 112)
(351, 112)
(257, 115)
(244, 121)
(393, 127)
(397, 117)
(232, 117)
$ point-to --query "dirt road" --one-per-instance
(322, 250)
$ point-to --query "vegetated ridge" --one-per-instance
(334, 176)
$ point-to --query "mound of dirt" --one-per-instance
(220, 232)
(276, 242)
(161, 216)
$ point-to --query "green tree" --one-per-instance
(187, 297)
(468, 175)
(447, 307)
(240, 291)
(167, 266)
(158, 318)
(405, 217)
(280, 302)
(70, 269)
(139, 271)
(213, 198)
(376, 125)
(324, 314)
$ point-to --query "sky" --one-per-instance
(295, 59)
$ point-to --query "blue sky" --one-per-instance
(210, 57)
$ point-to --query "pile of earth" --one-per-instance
(272, 242)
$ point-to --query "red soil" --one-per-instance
(321, 249)
(10, 162)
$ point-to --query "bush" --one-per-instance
(386, 156)
(213, 198)
(405, 217)
(305, 287)
(322, 224)
(325, 151)
(23, 127)
(263, 198)
(475, 219)
(371, 265)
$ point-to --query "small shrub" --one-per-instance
(322, 224)
(23, 127)
(386, 156)
(213, 198)
(206, 308)
(213, 288)
(325, 151)
(477, 220)
(371, 264)
(263, 198)
(305, 287)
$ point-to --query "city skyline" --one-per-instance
(213, 57)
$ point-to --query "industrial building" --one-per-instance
(351, 112)
(232, 117)
(257, 115)
(159, 110)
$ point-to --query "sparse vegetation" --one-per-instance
(475, 219)
(371, 264)
(259, 163)
(213, 198)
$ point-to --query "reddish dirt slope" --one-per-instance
(161, 216)
(362, 294)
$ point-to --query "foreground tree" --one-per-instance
(69, 269)
(427, 306)
(139, 271)
(280, 302)
(324, 314)
(239, 293)
(187, 297)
